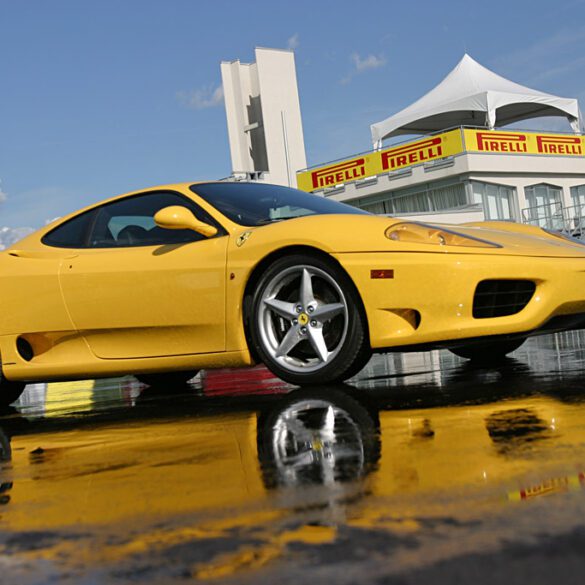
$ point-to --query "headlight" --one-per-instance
(421, 233)
(565, 237)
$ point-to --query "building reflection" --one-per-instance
(560, 353)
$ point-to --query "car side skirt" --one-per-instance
(77, 362)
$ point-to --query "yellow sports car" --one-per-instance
(162, 282)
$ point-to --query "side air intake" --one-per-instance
(500, 298)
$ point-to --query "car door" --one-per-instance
(30, 292)
(139, 291)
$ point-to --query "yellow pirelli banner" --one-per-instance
(524, 143)
(382, 161)
(436, 147)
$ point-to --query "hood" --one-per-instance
(367, 233)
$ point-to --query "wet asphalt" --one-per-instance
(424, 468)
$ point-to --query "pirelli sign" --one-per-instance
(436, 147)
(383, 161)
(524, 143)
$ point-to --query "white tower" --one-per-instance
(264, 117)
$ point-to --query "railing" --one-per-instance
(553, 216)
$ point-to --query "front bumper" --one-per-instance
(429, 300)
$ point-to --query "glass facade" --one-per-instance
(424, 198)
(544, 205)
(543, 194)
(544, 202)
(379, 207)
(578, 195)
(576, 213)
(498, 200)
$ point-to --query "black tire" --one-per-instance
(166, 379)
(9, 391)
(343, 340)
(360, 363)
(490, 352)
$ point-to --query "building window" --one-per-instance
(377, 207)
(423, 199)
(578, 195)
(545, 207)
(497, 200)
(413, 203)
(576, 213)
(543, 194)
(437, 198)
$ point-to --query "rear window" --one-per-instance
(72, 233)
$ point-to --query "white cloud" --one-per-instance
(9, 236)
(293, 42)
(3, 196)
(200, 99)
(363, 64)
(369, 62)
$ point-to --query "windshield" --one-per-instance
(254, 204)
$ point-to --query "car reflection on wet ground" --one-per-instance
(423, 468)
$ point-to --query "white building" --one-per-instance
(464, 169)
(264, 117)
(465, 175)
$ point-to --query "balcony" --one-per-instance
(554, 216)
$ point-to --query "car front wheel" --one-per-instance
(307, 324)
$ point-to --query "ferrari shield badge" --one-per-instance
(242, 238)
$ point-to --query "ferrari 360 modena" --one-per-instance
(163, 282)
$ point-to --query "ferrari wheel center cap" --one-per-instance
(303, 318)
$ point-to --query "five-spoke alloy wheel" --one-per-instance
(307, 323)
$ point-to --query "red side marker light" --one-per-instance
(381, 273)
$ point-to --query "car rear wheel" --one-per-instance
(166, 379)
(9, 391)
(307, 324)
(488, 352)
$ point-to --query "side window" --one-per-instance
(130, 222)
(72, 233)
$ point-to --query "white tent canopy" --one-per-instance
(472, 95)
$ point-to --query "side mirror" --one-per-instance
(177, 217)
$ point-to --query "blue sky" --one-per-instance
(99, 98)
